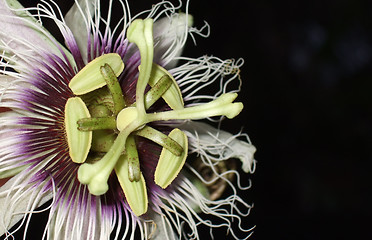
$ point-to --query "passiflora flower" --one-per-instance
(104, 128)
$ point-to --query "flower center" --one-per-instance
(101, 127)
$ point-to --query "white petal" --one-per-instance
(5, 84)
(18, 199)
(220, 145)
(170, 34)
(81, 217)
(9, 167)
(21, 33)
(76, 20)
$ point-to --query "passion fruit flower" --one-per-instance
(104, 125)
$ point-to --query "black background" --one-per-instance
(307, 94)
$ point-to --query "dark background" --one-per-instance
(307, 94)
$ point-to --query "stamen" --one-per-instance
(161, 139)
(170, 165)
(173, 96)
(90, 78)
(134, 171)
(157, 91)
(78, 142)
(135, 192)
(140, 33)
(114, 87)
